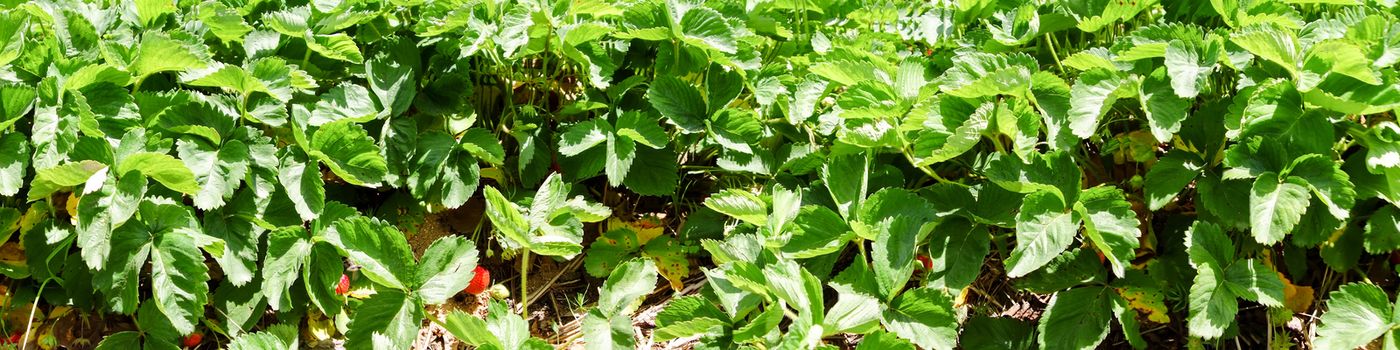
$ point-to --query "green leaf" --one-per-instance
(336, 46)
(1276, 205)
(957, 248)
(148, 11)
(1327, 181)
(654, 172)
(688, 316)
(1091, 97)
(50, 180)
(286, 251)
(846, 179)
(896, 218)
(1212, 304)
(1044, 228)
(179, 279)
(14, 163)
(218, 171)
(1189, 64)
(1383, 230)
(1168, 177)
(302, 183)
(344, 102)
(480, 143)
(1055, 172)
(1252, 280)
(1357, 313)
(641, 129)
(740, 204)
(349, 152)
(608, 326)
(446, 268)
(923, 316)
(1111, 224)
(1271, 43)
(163, 168)
(380, 250)
(584, 136)
(705, 27)
(679, 102)
(387, 320)
(883, 341)
(507, 218)
(157, 53)
(1076, 319)
(815, 231)
(1165, 110)
(983, 74)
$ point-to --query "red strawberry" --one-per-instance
(480, 281)
(344, 285)
(927, 263)
(15, 337)
(193, 339)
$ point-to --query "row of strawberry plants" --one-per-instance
(199, 163)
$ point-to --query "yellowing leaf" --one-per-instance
(646, 227)
(1147, 302)
(1296, 298)
(670, 257)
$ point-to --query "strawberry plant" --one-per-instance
(812, 174)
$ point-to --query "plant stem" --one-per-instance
(1050, 42)
(524, 276)
(30, 322)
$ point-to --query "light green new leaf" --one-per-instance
(1276, 205)
(1357, 313)
(349, 152)
(380, 250)
(1044, 228)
